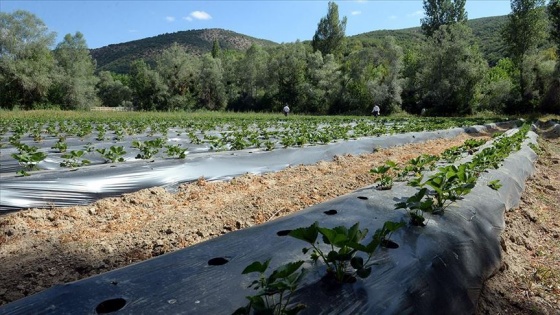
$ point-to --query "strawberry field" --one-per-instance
(84, 156)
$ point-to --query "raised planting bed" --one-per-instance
(61, 163)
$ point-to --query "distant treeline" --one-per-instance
(443, 72)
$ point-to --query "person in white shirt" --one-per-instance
(286, 110)
(375, 111)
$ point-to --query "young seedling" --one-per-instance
(148, 148)
(275, 291)
(385, 180)
(495, 184)
(60, 145)
(416, 205)
(74, 159)
(28, 157)
(113, 154)
(176, 150)
(269, 145)
(450, 184)
(341, 260)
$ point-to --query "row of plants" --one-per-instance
(220, 133)
(42, 127)
(343, 251)
(452, 182)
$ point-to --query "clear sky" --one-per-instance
(105, 22)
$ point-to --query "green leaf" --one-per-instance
(257, 303)
(285, 270)
(391, 164)
(380, 169)
(308, 234)
(332, 256)
(354, 233)
(330, 235)
(357, 262)
(495, 184)
(392, 226)
(256, 266)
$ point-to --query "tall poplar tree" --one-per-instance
(26, 61)
(216, 50)
(449, 75)
(524, 31)
(551, 101)
(442, 12)
(75, 81)
(554, 17)
(330, 32)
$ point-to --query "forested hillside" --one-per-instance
(448, 66)
(486, 31)
(118, 57)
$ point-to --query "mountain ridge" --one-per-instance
(118, 57)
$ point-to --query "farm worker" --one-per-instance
(286, 110)
(375, 111)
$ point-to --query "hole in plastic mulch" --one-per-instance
(110, 306)
(363, 197)
(283, 232)
(389, 244)
(330, 212)
(218, 261)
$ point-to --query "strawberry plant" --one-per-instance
(74, 159)
(176, 150)
(416, 205)
(89, 147)
(449, 184)
(341, 260)
(495, 184)
(28, 157)
(385, 180)
(113, 154)
(275, 291)
(148, 148)
(269, 145)
(193, 138)
(60, 145)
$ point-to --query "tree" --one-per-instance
(211, 91)
(75, 81)
(329, 37)
(288, 69)
(322, 85)
(179, 72)
(251, 73)
(216, 50)
(495, 92)
(442, 12)
(554, 17)
(26, 61)
(524, 31)
(451, 68)
(149, 90)
(392, 60)
(113, 92)
(551, 100)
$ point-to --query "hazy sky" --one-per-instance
(105, 22)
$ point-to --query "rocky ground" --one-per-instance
(43, 247)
